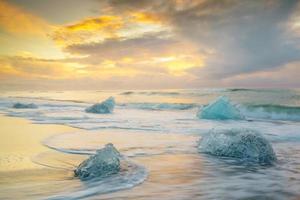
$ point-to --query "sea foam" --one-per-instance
(159, 106)
(272, 112)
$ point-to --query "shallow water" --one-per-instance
(157, 132)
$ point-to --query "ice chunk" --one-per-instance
(106, 106)
(105, 162)
(222, 109)
(24, 105)
(246, 144)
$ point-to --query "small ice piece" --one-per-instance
(106, 106)
(245, 144)
(24, 105)
(105, 162)
(221, 109)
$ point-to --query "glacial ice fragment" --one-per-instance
(106, 106)
(105, 162)
(245, 144)
(24, 105)
(221, 109)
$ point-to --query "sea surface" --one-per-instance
(158, 131)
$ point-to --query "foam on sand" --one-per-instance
(221, 109)
(245, 144)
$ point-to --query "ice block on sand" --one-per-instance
(245, 144)
(105, 162)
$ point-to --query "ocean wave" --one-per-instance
(240, 89)
(253, 90)
(127, 93)
(80, 105)
(92, 126)
(150, 93)
(160, 106)
(46, 99)
(274, 112)
(56, 105)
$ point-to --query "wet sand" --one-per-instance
(20, 178)
(21, 140)
(175, 169)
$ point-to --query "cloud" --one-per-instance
(104, 27)
(146, 17)
(99, 23)
(284, 76)
(144, 53)
(294, 24)
(237, 36)
(121, 47)
(36, 73)
(247, 37)
(197, 42)
(31, 67)
(19, 22)
(97, 28)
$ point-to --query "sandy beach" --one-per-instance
(41, 146)
(21, 140)
(22, 178)
(20, 143)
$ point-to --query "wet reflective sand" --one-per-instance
(175, 170)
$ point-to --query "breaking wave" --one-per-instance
(273, 112)
(160, 106)
(150, 93)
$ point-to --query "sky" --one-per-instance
(147, 44)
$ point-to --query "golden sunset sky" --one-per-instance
(143, 44)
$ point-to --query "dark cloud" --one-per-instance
(146, 46)
(246, 37)
(285, 76)
(59, 11)
(128, 5)
(242, 36)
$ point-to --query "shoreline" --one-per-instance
(22, 178)
(21, 140)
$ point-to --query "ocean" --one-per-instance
(158, 133)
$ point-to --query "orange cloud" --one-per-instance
(87, 30)
(144, 17)
(99, 23)
(17, 21)
(31, 67)
(60, 69)
(99, 29)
